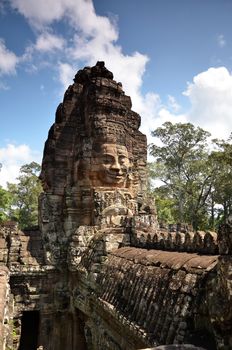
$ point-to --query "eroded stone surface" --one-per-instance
(4, 305)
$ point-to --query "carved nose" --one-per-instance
(116, 166)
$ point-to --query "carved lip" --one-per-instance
(115, 176)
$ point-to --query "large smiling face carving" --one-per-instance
(114, 164)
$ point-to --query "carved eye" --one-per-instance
(107, 159)
(122, 159)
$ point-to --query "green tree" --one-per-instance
(165, 205)
(5, 204)
(25, 195)
(182, 164)
(221, 197)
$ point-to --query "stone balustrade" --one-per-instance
(174, 238)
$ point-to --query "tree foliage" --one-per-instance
(5, 204)
(222, 185)
(20, 200)
(195, 179)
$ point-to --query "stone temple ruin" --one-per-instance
(99, 272)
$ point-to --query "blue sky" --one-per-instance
(174, 58)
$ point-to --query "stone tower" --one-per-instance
(94, 164)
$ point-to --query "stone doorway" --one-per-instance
(29, 330)
(79, 331)
(203, 338)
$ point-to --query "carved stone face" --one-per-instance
(114, 164)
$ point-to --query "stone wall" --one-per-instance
(173, 238)
(154, 294)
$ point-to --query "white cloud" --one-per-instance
(221, 40)
(8, 60)
(210, 95)
(93, 40)
(66, 74)
(154, 113)
(172, 104)
(148, 108)
(12, 157)
(127, 69)
(48, 42)
(40, 12)
(80, 14)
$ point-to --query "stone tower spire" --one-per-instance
(94, 156)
